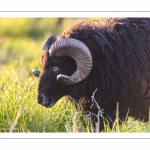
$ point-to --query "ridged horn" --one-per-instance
(79, 52)
(47, 43)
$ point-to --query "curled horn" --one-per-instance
(47, 43)
(76, 50)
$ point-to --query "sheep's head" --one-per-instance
(64, 62)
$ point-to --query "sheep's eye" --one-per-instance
(55, 68)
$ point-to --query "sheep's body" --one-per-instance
(120, 50)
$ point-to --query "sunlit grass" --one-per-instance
(16, 95)
(18, 100)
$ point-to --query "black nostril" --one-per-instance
(40, 99)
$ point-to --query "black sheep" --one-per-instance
(112, 59)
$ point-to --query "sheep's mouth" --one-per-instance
(49, 101)
(45, 101)
(51, 104)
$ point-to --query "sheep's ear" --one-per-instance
(36, 72)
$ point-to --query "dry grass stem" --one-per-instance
(75, 128)
(16, 120)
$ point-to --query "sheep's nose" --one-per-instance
(40, 99)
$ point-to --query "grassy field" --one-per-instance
(21, 40)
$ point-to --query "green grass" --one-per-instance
(19, 111)
(21, 40)
(18, 100)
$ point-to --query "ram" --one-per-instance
(110, 61)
